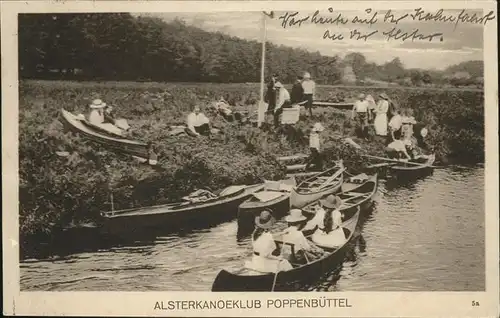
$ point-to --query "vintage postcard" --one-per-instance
(246, 158)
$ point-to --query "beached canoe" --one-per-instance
(414, 168)
(318, 186)
(275, 196)
(115, 142)
(343, 105)
(356, 195)
(189, 213)
(249, 280)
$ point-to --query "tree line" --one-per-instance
(119, 46)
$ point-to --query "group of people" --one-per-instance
(403, 135)
(278, 97)
(271, 255)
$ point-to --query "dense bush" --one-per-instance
(57, 189)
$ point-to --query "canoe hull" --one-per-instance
(298, 200)
(165, 219)
(135, 148)
(288, 280)
(413, 171)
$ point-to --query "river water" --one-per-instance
(426, 235)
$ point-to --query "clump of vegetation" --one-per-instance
(67, 179)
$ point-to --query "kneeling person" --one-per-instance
(264, 247)
(331, 233)
(304, 250)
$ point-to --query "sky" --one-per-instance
(460, 42)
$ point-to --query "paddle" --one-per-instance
(276, 275)
(399, 161)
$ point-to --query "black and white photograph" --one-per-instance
(312, 150)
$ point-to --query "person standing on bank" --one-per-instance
(395, 127)
(297, 94)
(315, 159)
(381, 110)
(271, 94)
(197, 123)
(283, 101)
(309, 87)
(360, 111)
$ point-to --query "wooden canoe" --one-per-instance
(179, 215)
(317, 186)
(359, 195)
(246, 280)
(414, 168)
(116, 143)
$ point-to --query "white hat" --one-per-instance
(295, 216)
(97, 103)
(278, 85)
(307, 75)
(318, 127)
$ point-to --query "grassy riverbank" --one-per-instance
(56, 191)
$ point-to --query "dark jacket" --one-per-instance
(297, 94)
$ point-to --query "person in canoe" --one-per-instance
(98, 118)
(315, 159)
(360, 111)
(398, 149)
(330, 233)
(304, 250)
(283, 101)
(309, 88)
(264, 257)
(197, 123)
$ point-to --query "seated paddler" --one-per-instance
(98, 117)
(303, 250)
(197, 123)
(266, 255)
(330, 234)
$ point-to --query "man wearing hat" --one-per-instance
(315, 159)
(360, 110)
(309, 88)
(293, 235)
(330, 233)
(264, 247)
(283, 101)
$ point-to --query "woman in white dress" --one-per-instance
(331, 233)
(264, 245)
(381, 110)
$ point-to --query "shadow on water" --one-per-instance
(80, 239)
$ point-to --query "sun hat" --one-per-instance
(97, 103)
(424, 132)
(307, 75)
(265, 220)
(278, 85)
(295, 216)
(318, 127)
(384, 96)
(331, 202)
(361, 96)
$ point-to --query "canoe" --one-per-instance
(356, 195)
(184, 214)
(317, 186)
(332, 104)
(275, 196)
(117, 143)
(247, 280)
(404, 170)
